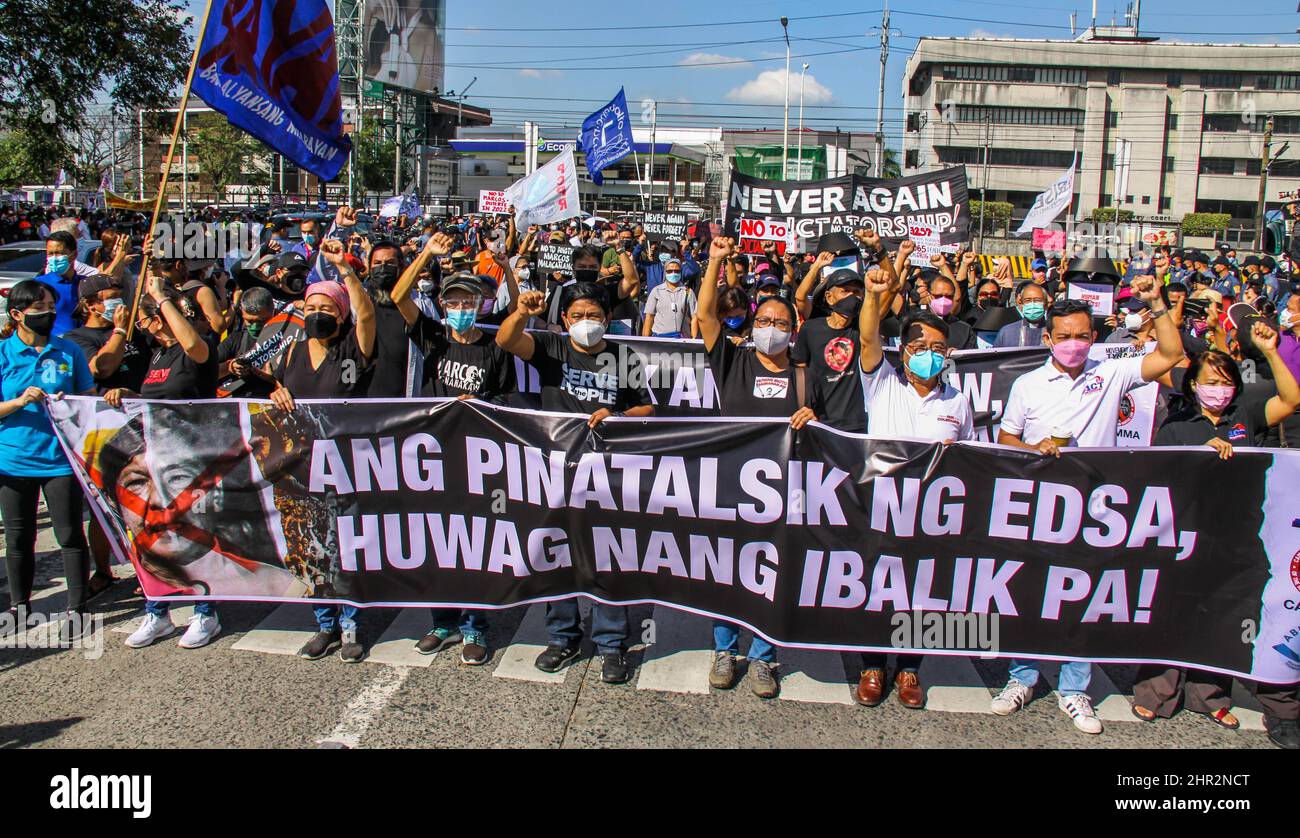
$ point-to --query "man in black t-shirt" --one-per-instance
(580, 375)
(240, 377)
(828, 346)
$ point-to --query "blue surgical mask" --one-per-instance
(734, 322)
(926, 365)
(308, 239)
(1033, 312)
(461, 320)
(57, 264)
(111, 306)
(673, 278)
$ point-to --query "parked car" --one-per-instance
(18, 261)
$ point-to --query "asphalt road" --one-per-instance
(230, 694)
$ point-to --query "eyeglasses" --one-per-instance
(918, 346)
(460, 305)
(765, 322)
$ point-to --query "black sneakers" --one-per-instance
(555, 657)
(1285, 734)
(614, 668)
(321, 644)
(352, 651)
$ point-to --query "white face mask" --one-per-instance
(426, 286)
(1133, 321)
(770, 340)
(1286, 319)
(587, 333)
(523, 273)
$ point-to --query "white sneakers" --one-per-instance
(1016, 695)
(1079, 709)
(1013, 696)
(153, 629)
(202, 630)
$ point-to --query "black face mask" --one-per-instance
(41, 324)
(848, 307)
(320, 325)
(384, 276)
(586, 274)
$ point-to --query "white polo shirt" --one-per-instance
(1087, 406)
(895, 409)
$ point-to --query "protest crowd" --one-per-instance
(851, 334)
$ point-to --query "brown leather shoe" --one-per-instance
(871, 687)
(909, 691)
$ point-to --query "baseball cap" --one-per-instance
(767, 280)
(1038, 265)
(462, 281)
(292, 261)
(841, 277)
(92, 285)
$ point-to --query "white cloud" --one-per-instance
(713, 61)
(540, 74)
(769, 89)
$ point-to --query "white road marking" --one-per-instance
(681, 656)
(282, 632)
(366, 705)
(528, 642)
(813, 676)
(396, 646)
(953, 685)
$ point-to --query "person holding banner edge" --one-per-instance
(1073, 399)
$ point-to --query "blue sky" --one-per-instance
(730, 71)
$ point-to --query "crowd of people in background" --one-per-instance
(795, 335)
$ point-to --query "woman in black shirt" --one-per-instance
(329, 362)
(756, 380)
(1221, 420)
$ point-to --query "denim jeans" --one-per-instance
(467, 622)
(726, 638)
(609, 625)
(328, 617)
(1075, 675)
(160, 607)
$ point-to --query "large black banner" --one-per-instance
(918, 206)
(812, 538)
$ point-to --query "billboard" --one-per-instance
(405, 43)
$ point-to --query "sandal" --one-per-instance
(1142, 713)
(105, 582)
(1223, 718)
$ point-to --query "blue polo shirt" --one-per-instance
(28, 447)
(65, 295)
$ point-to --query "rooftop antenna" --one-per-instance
(1073, 32)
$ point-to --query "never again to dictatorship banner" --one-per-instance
(892, 207)
(813, 538)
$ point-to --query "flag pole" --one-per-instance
(143, 277)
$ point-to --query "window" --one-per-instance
(1128, 199)
(1171, 122)
(1007, 73)
(1112, 119)
(1284, 168)
(1035, 157)
(1114, 77)
(1222, 122)
(1278, 81)
(1221, 81)
(1217, 165)
(1108, 162)
(1146, 200)
(1020, 116)
(1230, 122)
(912, 158)
(1252, 167)
(1174, 79)
(1166, 203)
(1169, 164)
(913, 122)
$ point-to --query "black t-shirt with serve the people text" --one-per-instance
(834, 386)
(479, 368)
(746, 387)
(576, 382)
(175, 375)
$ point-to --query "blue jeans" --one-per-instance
(609, 625)
(160, 607)
(726, 638)
(1075, 675)
(328, 617)
(468, 622)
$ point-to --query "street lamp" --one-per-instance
(799, 156)
(785, 132)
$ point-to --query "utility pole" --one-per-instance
(799, 155)
(785, 132)
(654, 122)
(984, 178)
(1263, 183)
(880, 96)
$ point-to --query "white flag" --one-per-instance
(548, 194)
(1049, 204)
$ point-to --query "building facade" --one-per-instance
(1159, 129)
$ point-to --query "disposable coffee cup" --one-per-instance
(1061, 436)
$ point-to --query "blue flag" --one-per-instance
(606, 136)
(270, 66)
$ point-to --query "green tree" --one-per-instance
(18, 163)
(61, 54)
(373, 158)
(892, 167)
(223, 153)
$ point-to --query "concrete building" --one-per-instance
(1187, 119)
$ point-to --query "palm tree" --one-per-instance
(892, 168)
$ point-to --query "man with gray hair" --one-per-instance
(239, 370)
